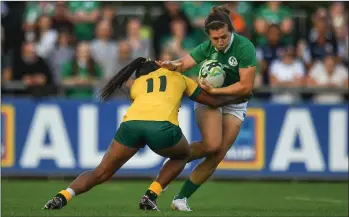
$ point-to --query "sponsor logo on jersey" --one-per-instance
(232, 61)
(7, 136)
(247, 152)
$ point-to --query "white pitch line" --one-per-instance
(324, 200)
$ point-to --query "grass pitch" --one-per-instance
(120, 198)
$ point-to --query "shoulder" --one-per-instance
(276, 64)
(298, 63)
(52, 33)
(167, 72)
(243, 41)
(317, 68)
(341, 69)
(206, 45)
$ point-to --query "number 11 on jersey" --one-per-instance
(163, 84)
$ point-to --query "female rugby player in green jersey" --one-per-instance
(219, 127)
(152, 119)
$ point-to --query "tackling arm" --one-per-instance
(218, 101)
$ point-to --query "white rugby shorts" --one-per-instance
(238, 110)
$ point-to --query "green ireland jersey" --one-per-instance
(240, 53)
(83, 31)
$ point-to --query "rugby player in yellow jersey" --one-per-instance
(151, 120)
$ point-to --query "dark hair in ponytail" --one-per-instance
(218, 18)
(141, 65)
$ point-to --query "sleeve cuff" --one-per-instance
(196, 93)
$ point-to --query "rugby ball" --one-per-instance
(212, 72)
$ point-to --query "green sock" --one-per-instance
(187, 190)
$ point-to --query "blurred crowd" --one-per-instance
(78, 44)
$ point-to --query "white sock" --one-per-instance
(71, 191)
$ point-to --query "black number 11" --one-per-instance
(163, 84)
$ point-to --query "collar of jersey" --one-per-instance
(230, 43)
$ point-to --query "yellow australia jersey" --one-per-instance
(157, 96)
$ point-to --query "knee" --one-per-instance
(212, 147)
(218, 157)
(215, 159)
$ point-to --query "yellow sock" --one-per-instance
(66, 194)
(156, 188)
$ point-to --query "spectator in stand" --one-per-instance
(273, 49)
(60, 19)
(84, 15)
(161, 26)
(197, 12)
(321, 40)
(103, 48)
(123, 55)
(258, 80)
(245, 9)
(45, 37)
(30, 68)
(109, 13)
(329, 74)
(339, 21)
(178, 43)
(140, 46)
(238, 20)
(82, 70)
(33, 11)
(273, 13)
(62, 53)
(5, 60)
(287, 72)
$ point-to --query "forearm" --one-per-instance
(178, 65)
(219, 101)
(184, 63)
(237, 89)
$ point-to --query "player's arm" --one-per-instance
(247, 72)
(217, 101)
(199, 95)
(180, 65)
(188, 61)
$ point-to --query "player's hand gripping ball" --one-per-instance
(212, 72)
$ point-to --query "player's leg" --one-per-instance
(211, 136)
(167, 140)
(118, 153)
(232, 120)
(210, 124)
(178, 156)
(209, 121)
(204, 170)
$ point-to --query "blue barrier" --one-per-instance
(66, 137)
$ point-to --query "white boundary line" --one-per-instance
(324, 200)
